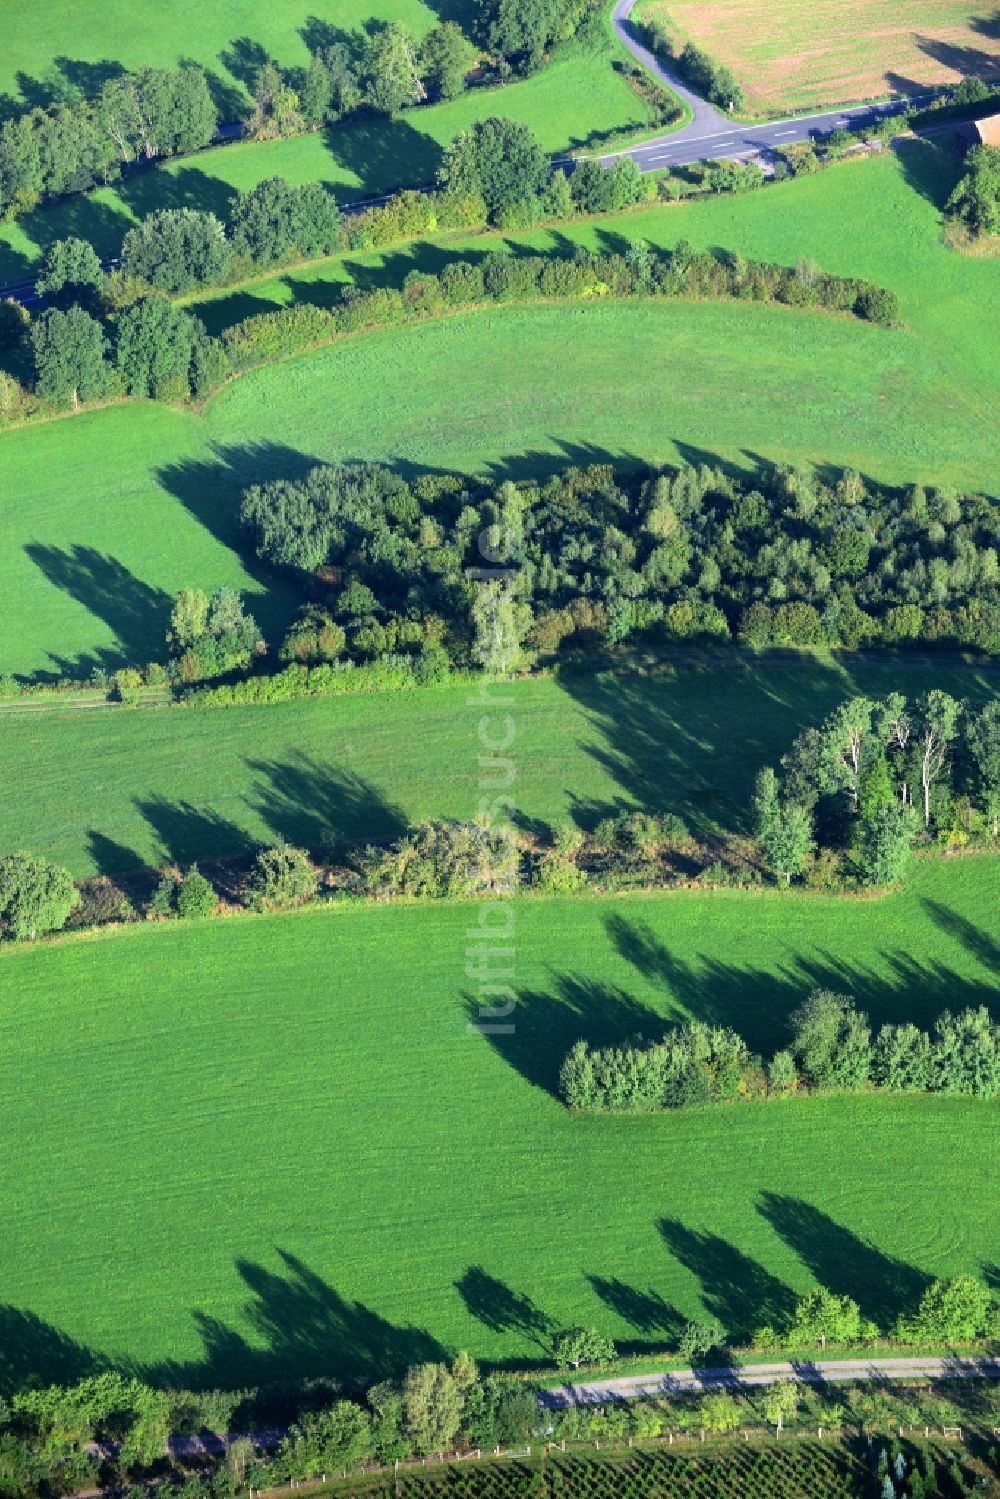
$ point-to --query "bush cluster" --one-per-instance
(444, 859)
(832, 1049)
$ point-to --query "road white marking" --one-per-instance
(779, 133)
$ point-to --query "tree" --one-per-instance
(444, 60)
(275, 221)
(843, 738)
(157, 112)
(937, 725)
(35, 896)
(177, 249)
(499, 628)
(433, 1402)
(984, 746)
(340, 1437)
(581, 1345)
(188, 618)
(390, 74)
(784, 832)
(281, 876)
(780, 1402)
(329, 88)
(831, 1041)
(976, 199)
(155, 348)
(821, 1315)
(70, 267)
(699, 1338)
(950, 1311)
(195, 896)
(276, 106)
(885, 845)
(517, 31)
(498, 158)
(598, 189)
(69, 349)
(720, 1413)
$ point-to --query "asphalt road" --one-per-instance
(828, 1371)
(712, 136)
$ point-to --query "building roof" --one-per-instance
(988, 130)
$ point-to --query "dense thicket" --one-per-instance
(832, 1048)
(590, 556)
(70, 148)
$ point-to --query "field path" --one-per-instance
(734, 1377)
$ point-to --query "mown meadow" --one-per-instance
(115, 790)
(272, 1147)
(109, 513)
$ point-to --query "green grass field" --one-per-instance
(269, 1147)
(577, 99)
(112, 790)
(651, 382)
(61, 46)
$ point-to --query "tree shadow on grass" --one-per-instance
(842, 1262)
(502, 1309)
(137, 612)
(321, 806)
(33, 1352)
(383, 155)
(931, 168)
(300, 1328)
(735, 1289)
(543, 1026)
(757, 1001)
(187, 834)
(646, 1311)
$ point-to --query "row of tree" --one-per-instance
(71, 148)
(832, 1049)
(51, 1437)
(975, 201)
(875, 775)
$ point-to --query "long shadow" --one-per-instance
(82, 217)
(321, 806)
(646, 1311)
(111, 857)
(152, 190)
(300, 1328)
(984, 947)
(735, 1288)
(842, 1262)
(137, 612)
(502, 1309)
(757, 1001)
(382, 155)
(931, 167)
(970, 62)
(187, 834)
(32, 1351)
(210, 489)
(544, 1025)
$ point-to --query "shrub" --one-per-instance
(195, 896)
(281, 876)
(35, 896)
(442, 859)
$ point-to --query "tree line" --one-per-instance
(699, 70)
(832, 1049)
(139, 343)
(74, 146)
(112, 1429)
